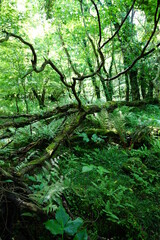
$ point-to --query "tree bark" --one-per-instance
(41, 98)
(134, 85)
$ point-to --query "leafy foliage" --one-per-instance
(116, 186)
(64, 225)
(48, 186)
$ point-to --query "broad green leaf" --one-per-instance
(87, 168)
(54, 227)
(61, 216)
(72, 226)
(82, 235)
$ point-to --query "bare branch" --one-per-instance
(34, 61)
(120, 26)
(152, 50)
(88, 35)
(143, 54)
(73, 85)
(28, 73)
(46, 62)
(89, 75)
(93, 45)
(4, 39)
(75, 93)
(100, 65)
(99, 23)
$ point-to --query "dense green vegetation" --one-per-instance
(79, 119)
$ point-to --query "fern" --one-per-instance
(141, 133)
(114, 121)
(49, 131)
(119, 124)
(104, 121)
(48, 186)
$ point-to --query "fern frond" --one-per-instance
(49, 186)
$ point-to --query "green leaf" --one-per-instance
(85, 137)
(32, 178)
(82, 235)
(101, 170)
(2, 163)
(27, 214)
(72, 226)
(54, 227)
(87, 168)
(8, 181)
(61, 216)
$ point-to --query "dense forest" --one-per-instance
(79, 119)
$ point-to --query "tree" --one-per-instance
(81, 60)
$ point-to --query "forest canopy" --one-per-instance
(79, 119)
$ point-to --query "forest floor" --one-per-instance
(105, 175)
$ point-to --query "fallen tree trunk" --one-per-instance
(63, 135)
(23, 120)
(74, 118)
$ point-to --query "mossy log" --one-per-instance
(23, 120)
(63, 135)
(8, 182)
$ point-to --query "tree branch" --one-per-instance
(89, 37)
(5, 39)
(34, 61)
(99, 23)
(68, 55)
(67, 130)
(46, 62)
(120, 26)
(143, 54)
(100, 65)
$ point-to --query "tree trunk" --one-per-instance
(96, 87)
(142, 80)
(150, 90)
(127, 87)
(134, 85)
(105, 89)
(40, 98)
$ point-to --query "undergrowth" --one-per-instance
(108, 175)
(115, 191)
